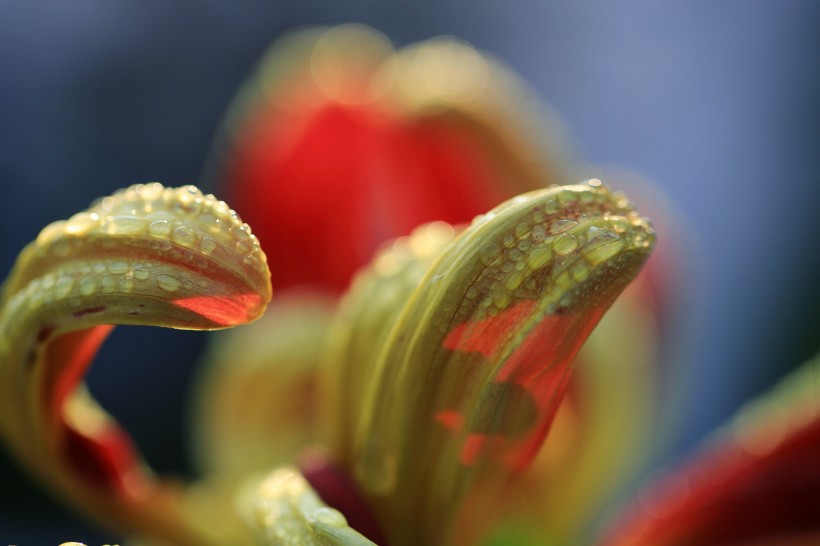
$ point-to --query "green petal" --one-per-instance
(472, 372)
(255, 398)
(146, 255)
(603, 432)
(364, 319)
(283, 510)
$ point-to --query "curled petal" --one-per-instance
(471, 373)
(146, 255)
(757, 482)
(603, 432)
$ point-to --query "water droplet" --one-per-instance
(151, 191)
(88, 286)
(488, 252)
(330, 517)
(184, 235)
(81, 223)
(244, 231)
(141, 273)
(108, 285)
(207, 245)
(159, 228)
(560, 226)
(538, 233)
(565, 244)
(126, 225)
(168, 283)
(222, 210)
(48, 281)
(63, 287)
(243, 247)
(118, 268)
(107, 204)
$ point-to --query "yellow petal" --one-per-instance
(283, 510)
(471, 373)
(362, 323)
(255, 398)
(601, 435)
(146, 255)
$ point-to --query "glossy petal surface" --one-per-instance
(471, 373)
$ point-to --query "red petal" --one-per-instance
(736, 494)
(324, 188)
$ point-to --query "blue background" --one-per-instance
(714, 102)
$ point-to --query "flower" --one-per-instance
(342, 142)
(451, 395)
(440, 371)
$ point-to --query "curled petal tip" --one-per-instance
(149, 255)
(472, 371)
(566, 247)
(146, 255)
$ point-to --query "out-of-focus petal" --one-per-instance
(473, 369)
(283, 510)
(146, 255)
(254, 405)
(365, 318)
(338, 144)
(757, 482)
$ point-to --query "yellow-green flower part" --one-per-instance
(439, 373)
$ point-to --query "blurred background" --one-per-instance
(715, 104)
